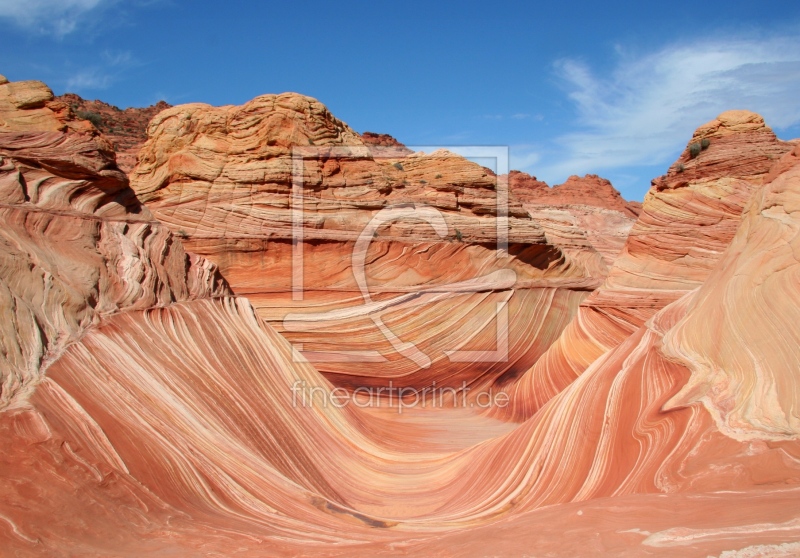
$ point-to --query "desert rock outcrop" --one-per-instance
(76, 243)
(591, 190)
(223, 178)
(688, 219)
(125, 129)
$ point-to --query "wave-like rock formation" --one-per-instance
(688, 219)
(76, 243)
(383, 241)
(741, 340)
(170, 418)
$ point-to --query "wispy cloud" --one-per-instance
(59, 17)
(90, 79)
(116, 59)
(103, 74)
(524, 156)
(648, 105)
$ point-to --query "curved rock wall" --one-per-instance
(222, 178)
(76, 243)
(688, 219)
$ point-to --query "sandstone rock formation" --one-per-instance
(125, 129)
(588, 208)
(590, 190)
(152, 411)
(688, 219)
(222, 177)
(382, 140)
(740, 339)
(77, 244)
(31, 106)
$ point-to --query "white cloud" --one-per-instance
(56, 16)
(646, 108)
(115, 59)
(523, 156)
(90, 79)
(102, 75)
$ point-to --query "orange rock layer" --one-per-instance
(688, 219)
(76, 243)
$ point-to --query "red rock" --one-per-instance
(77, 243)
(688, 219)
(223, 175)
(590, 190)
(744, 373)
(382, 140)
(590, 206)
(30, 106)
(125, 129)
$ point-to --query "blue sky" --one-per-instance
(612, 88)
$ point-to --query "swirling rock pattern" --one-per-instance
(741, 340)
(76, 243)
(689, 217)
(165, 417)
(224, 445)
(222, 177)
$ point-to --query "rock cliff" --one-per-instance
(76, 242)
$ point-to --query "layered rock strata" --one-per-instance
(76, 243)
(688, 219)
(383, 242)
